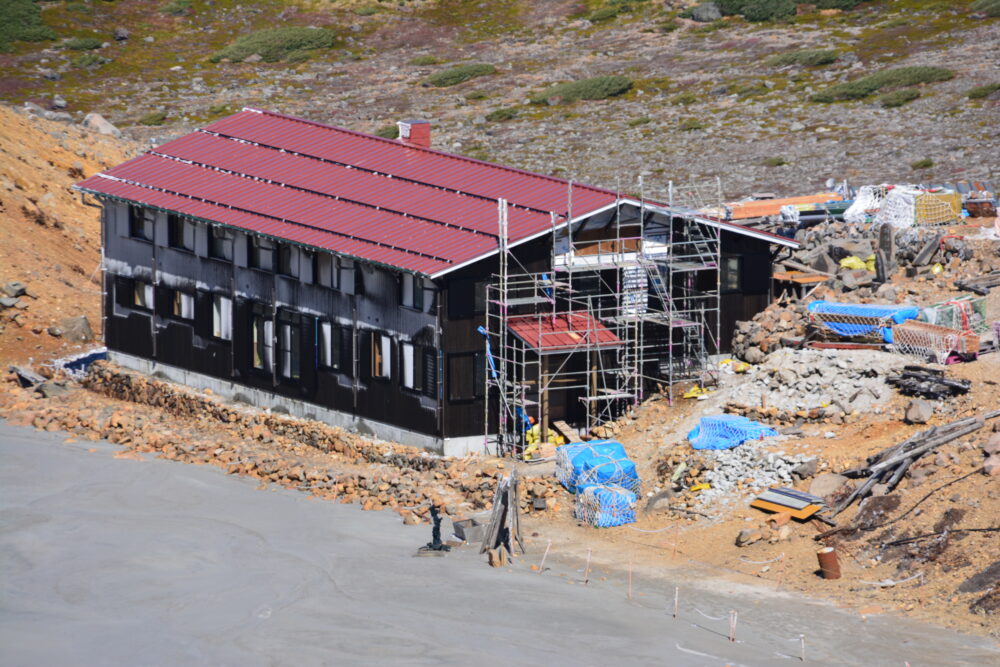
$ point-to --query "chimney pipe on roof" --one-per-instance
(415, 133)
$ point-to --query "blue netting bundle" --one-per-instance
(608, 471)
(726, 431)
(572, 460)
(897, 314)
(605, 506)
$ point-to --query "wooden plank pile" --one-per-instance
(888, 466)
(504, 528)
(981, 284)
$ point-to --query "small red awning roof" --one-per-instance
(562, 333)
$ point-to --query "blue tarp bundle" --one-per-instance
(608, 471)
(897, 314)
(579, 457)
(605, 506)
(726, 431)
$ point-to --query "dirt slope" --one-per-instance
(49, 240)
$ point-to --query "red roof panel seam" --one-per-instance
(279, 219)
(204, 165)
(375, 171)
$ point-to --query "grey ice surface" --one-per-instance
(108, 561)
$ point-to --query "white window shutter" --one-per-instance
(386, 356)
(407, 365)
(268, 344)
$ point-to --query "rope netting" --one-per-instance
(609, 472)
(866, 204)
(859, 320)
(564, 462)
(605, 506)
(905, 207)
(930, 342)
(726, 432)
(964, 314)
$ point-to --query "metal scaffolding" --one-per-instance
(613, 318)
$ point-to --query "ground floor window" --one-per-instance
(142, 294)
(336, 347)
(290, 349)
(419, 368)
(222, 317)
(182, 305)
(466, 375)
(381, 356)
(262, 341)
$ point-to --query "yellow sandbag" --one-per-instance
(852, 262)
(870, 263)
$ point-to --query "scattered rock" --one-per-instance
(919, 411)
(826, 484)
(991, 466)
(806, 469)
(15, 289)
(748, 536)
(253, 58)
(77, 329)
(706, 13)
(992, 445)
(49, 389)
(121, 34)
(55, 332)
(95, 122)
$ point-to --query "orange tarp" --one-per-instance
(761, 207)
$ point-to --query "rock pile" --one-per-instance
(755, 339)
(749, 467)
(309, 456)
(815, 385)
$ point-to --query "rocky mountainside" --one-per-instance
(728, 99)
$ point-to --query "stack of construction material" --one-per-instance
(604, 479)
(856, 320)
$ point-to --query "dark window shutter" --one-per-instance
(430, 372)
(418, 292)
(123, 291)
(203, 314)
(347, 351)
(755, 274)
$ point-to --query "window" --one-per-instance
(730, 277)
(336, 347)
(326, 270)
(260, 254)
(466, 298)
(142, 295)
(288, 260)
(466, 375)
(222, 317)
(220, 244)
(262, 340)
(180, 233)
(182, 305)
(381, 356)
(412, 291)
(347, 276)
(140, 222)
(412, 373)
(290, 349)
(419, 368)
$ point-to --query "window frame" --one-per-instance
(255, 245)
(381, 356)
(731, 267)
(222, 327)
(214, 233)
(176, 236)
(178, 300)
(148, 296)
(319, 258)
(411, 291)
(138, 218)
(287, 252)
(477, 359)
(289, 347)
(261, 343)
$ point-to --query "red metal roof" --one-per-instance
(371, 198)
(563, 332)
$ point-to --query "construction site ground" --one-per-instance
(57, 261)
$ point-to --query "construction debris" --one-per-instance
(888, 466)
(980, 285)
(504, 528)
(928, 383)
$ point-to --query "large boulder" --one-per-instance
(76, 329)
(95, 122)
(706, 12)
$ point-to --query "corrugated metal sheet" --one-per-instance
(562, 333)
(457, 173)
(744, 210)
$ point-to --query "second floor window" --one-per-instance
(140, 222)
(180, 233)
(220, 244)
(261, 254)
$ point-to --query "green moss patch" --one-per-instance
(807, 58)
(274, 44)
(21, 21)
(898, 98)
(501, 115)
(154, 118)
(83, 43)
(924, 163)
(459, 74)
(176, 7)
(388, 132)
(890, 78)
(988, 7)
(596, 88)
(982, 92)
